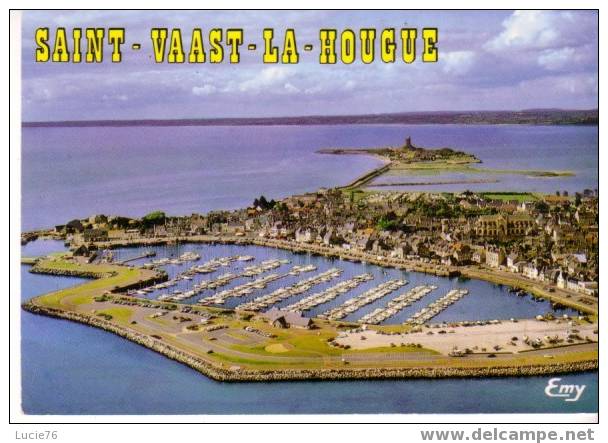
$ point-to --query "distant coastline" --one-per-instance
(524, 117)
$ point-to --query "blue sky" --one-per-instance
(488, 60)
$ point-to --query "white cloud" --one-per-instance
(533, 30)
(575, 85)
(291, 88)
(569, 59)
(349, 85)
(203, 90)
(557, 59)
(267, 78)
(457, 62)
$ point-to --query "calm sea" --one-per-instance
(73, 369)
(76, 172)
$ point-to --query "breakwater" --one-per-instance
(70, 272)
(153, 277)
(367, 177)
(235, 374)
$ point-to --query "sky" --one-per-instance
(488, 60)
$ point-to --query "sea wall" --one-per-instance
(69, 272)
(221, 373)
(367, 177)
(157, 277)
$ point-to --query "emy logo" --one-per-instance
(568, 392)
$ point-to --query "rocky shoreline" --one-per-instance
(243, 375)
(158, 277)
(69, 272)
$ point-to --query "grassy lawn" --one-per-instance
(296, 342)
(391, 328)
(313, 343)
(432, 166)
(84, 293)
(120, 315)
(262, 364)
(439, 363)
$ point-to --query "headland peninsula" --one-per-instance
(409, 159)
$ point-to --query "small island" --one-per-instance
(409, 159)
(408, 153)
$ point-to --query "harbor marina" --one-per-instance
(494, 297)
(434, 308)
(393, 307)
(225, 280)
(329, 294)
(368, 297)
(286, 292)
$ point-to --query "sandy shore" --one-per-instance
(474, 337)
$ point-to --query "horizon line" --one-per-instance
(294, 119)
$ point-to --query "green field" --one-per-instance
(510, 196)
(117, 276)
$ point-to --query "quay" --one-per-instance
(397, 304)
(354, 304)
(137, 257)
(283, 293)
(436, 307)
(329, 294)
(367, 177)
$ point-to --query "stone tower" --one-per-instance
(408, 143)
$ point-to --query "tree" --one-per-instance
(387, 222)
(263, 203)
(154, 218)
(542, 207)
